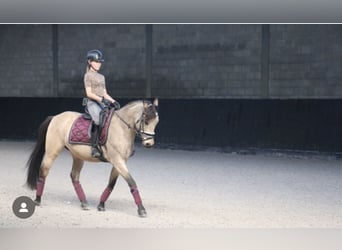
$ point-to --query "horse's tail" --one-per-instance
(36, 157)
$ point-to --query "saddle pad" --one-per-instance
(80, 130)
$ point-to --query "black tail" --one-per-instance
(37, 155)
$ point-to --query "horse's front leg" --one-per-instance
(121, 168)
(135, 192)
(112, 181)
(137, 199)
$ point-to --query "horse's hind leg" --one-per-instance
(49, 158)
(75, 178)
(112, 181)
(44, 170)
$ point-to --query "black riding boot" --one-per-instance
(95, 152)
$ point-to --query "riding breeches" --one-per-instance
(94, 110)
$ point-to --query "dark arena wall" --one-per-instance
(227, 85)
(309, 125)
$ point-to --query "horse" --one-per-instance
(137, 118)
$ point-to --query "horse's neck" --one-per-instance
(131, 112)
(125, 124)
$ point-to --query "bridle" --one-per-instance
(140, 132)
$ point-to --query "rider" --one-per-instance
(98, 100)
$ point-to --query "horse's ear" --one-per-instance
(155, 102)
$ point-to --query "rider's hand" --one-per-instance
(115, 105)
(105, 103)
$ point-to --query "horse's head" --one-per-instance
(148, 123)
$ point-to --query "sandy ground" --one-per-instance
(182, 189)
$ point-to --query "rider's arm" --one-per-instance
(108, 97)
(92, 96)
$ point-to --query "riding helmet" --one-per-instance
(95, 55)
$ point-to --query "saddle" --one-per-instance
(80, 130)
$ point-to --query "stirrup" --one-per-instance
(98, 153)
(95, 152)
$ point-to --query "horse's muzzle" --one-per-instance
(148, 143)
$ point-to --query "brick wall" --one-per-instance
(124, 51)
(207, 61)
(26, 65)
(305, 61)
(188, 61)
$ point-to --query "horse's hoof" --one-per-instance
(101, 208)
(37, 201)
(84, 206)
(142, 212)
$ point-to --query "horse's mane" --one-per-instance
(136, 102)
(151, 111)
(133, 103)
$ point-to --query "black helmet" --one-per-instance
(95, 55)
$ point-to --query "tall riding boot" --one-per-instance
(95, 152)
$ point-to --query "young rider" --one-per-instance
(98, 99)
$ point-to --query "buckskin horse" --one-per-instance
(137, 118)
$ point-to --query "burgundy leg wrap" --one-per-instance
(40, 187)
(106, 194)
(79, 190)
(136, 195)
